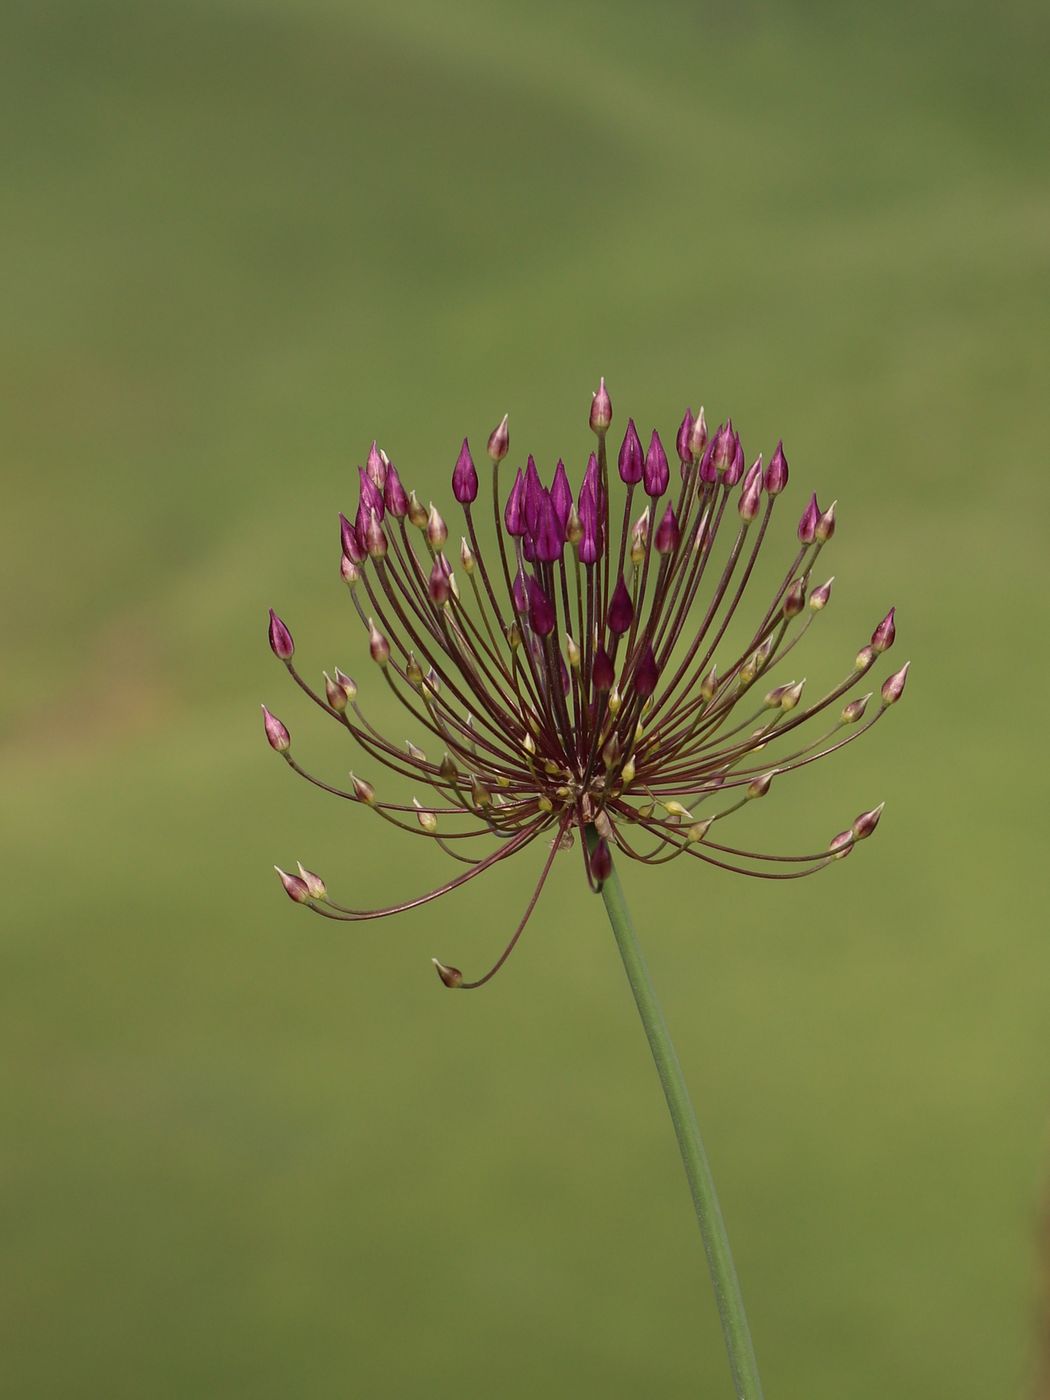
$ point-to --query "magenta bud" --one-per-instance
(698, 437)
(795, 598)
(722, 450)
(451, 976)
(668, 534)
(438, 584)
(819, 598)
(866, 823)
(758, 787)
(349, 570)
(276, 735)
(825, 526)
(656, 473)
(646, 672)
(376, 466)
(436, 529)
(294, 888)
(549, 540)
(371, 496)
(315, 886)
(281, 643)
(735, 470)
(541, 610)
(621, 609)
(394, 497)
(841, 845)
(375, 537)
(751, 493)
(602, 672)
(883, 636)
(893, 689)
(631, 458)
(378, 645)
(601, 410)
(684, 438)
(854, 710)
(807, 525)
(601, 862)
(347, 682)
(352, 549)
(335, 694)
(499, 441)
(777, 471)
(464, 477)
(561, 497)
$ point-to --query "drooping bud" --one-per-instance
(656, 473)
(758, 787)
(601, 862)
(751, 492)
(375, 537)
(417, 511)
(631, 458)
(363, 790)
(684, 438)
(866, 823)
(426, 820)
(621, 609)
(893, 689)
(883, 636)
(819, 598)
(334, 693)
(777, 471)
(276, 735)
(854, 710)
(315, 886)
(542, 616)
(841, 845)
(376, 466)
(825, 526)
(394, 497)
(437, 530)
(348, 683)
(668, 534)
(601, 410)
(295, 888)
(499, 441)
(807, 525)
(514, 510)
(602, 671)
(281, 643)
(378, 645)
(698, 437)
(795, 598)
(646, 672)
(451, 976)
(464, 477)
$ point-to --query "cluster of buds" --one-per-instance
(572, 673)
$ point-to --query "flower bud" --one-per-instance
(602, 672)
(349, 685)
(841, 845)
(426, 819)
(314, 884)
(621, 609)
(334, 693)
(865, 659)
(866, 823)
(883, 636)
(758, 787)
(614, 702)
(349, 570)
(437, 530)
(451, 976)
(394, 497)
(699, 829)
(668, 533)
(655, 473)
(601, 862)
(795, 598)
(646, 672)
(601, 410)
(751, 493)
(683, 438)
(414, 672)
(363, 790)
(631, 458)
(375, 467)
(375, 537)
(417, 511)
(276, 735)
(807, 525)
(464, 477)
(627, 773)
(294, 888)
(777, 471)
(378, 645)
(893, 689)
(499, 441)
(542, 616)
(352, 547)
(281, 643)
(854, 711)
(709, 685)
(698, 436)
(572, 651)
(792, 695)
(818, 599)
(825, 526)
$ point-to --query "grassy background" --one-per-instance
(247, 1154)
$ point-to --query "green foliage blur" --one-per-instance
(245, 1153)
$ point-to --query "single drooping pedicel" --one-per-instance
(595, 661)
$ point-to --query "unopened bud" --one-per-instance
(614, 702)
(893, 689)
(601, 410)
(601, 862)
(334, 694)
(758, 787)
(363, 790)
(349, 570)
(451, 976)
(378, 645)
(777, 471)
(281, 643)
(854, 711)
(807, 525)
(426, 819)
(414, 672)
(865, 659)
(818, 599)
(466, 558)
(276, 735)
(499, 441)
(479, 793)
(375, 537)
(572, 651)
(795, 598)
(415, 752)
(866, 823)
(825, 526)
(627, 772)
(699, 829)
(417, 511)
(349, 685)
(677, 812)
(314, 884)
(438, 583)
(295, 888)
(464, 477)
(437, 530)
(698, 436)
(841, 845)
(883, 636)
(709, 685)
(611, 751)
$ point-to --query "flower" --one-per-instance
(576, 668)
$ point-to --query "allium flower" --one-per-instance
(575, 670)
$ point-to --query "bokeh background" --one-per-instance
(246, 1153)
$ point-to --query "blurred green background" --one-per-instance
(246, 1153)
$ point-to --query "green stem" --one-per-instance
(730, 1301)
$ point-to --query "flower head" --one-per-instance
(594, 667)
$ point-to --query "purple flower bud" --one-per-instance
(631, 457)
(394, 497)
(561, 497)
(866, 823)
(464, 477)
(723, 448)
(315, 885)
(777, 471)
(438, 584)
(541, 610)
(646, 673)
(825, 526)
(601, 410)
(854, 711)
(883, 636)
(499, 441)
(751, 492)
(865, 659)
(376, 466)
(363, 790)
(683, 441)
(361, 527)
(371, 495)
(378, 645)
(437, 530)
(807, 526)
(533, 496)
(294, 888)
(698, 437)
(348, 683)
(520, 594)
(601, 862)
(276, 735)
(514, 511)
(349, 570)
(758, 787)
(281, 643)
(621, 609)
(375, 537)
(841, 845)
(549, 537)
(602, 672)
(589, 547)
(656, 473)
(334, 694)
(819, 598)
(735, 470)
(795, 598)
(451, 976)
(351, 544)
(893, 689)
(668, 534)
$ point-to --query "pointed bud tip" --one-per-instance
(450, 976)
(281, 643)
